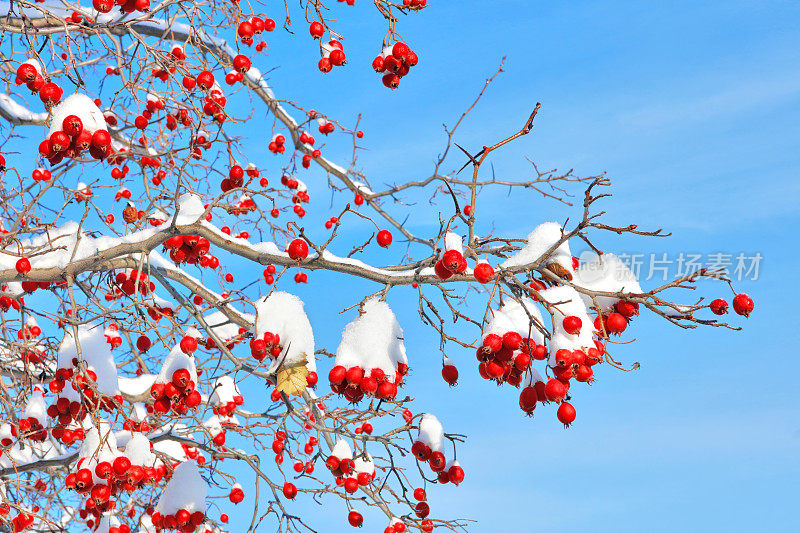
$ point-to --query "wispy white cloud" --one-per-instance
(723, 99)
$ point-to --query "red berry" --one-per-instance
(337, 57)
(719, 306)
(616, 323)
(325, 65)
(455, 474)
(453, 260)
(391, 80)
(337, 374)
(205, 80)
(450, 374)
(384, 238)
(188, 344)
(400, 50)
(512, 340)
(527, 399)
(555, 390)
(572, 325)
(298, 249)
(289, 490)
(355, 518)
(743, 304)
(566, 413)
(23, 265)
(483, 272)
(441, 271)
(493, 342)
(316, 29)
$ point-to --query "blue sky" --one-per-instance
(693, 110)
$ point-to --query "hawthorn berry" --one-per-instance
(572, 325)
(23, 265)
(450, 374)
(719, 306)
(743, 304)
(384, 238)
(483, 272)
(316, 29)
(298, 249)
(566, 413)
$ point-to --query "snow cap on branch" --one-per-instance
(81, 106)
(431, 432)
(282, 313)
(175, 361)
(605, 273)
(341, 450)
(96, 353)
(519, 316)
(373, 340)
(185, 490)
(540, 240)
(138, 451)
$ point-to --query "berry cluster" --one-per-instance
(276, 145)
(742, 305)
(339, 463)
(451, 262)
(133, 281)
(244, 205)
(325, 127)
(29, 428)
(29, 73)
(305, 138)
(21, 521)
(241, 64)
(30, 330)
(396, 61)
(354, 383)
(253, 26)
(41, 174)
(615, 322)
(178, 395)
(182, 520)
(126, 6)
(506, 358)
(187, 248)
(7, 302)
(332, 56)
(73, 139)
(270, 344)
(83, 385)
(228, 408)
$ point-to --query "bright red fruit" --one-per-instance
(298, 249)
(384, 238)
(743, 304)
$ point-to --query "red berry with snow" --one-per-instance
(450, 374)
